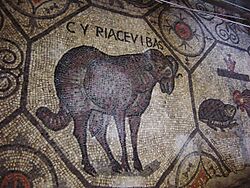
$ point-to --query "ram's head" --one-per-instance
(163, 69)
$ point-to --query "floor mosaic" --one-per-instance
(122, 93)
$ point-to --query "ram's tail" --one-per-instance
(53, 121)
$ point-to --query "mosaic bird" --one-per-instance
(242, 100)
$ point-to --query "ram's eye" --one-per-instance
(168, 72)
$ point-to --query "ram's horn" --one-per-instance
(174, 62)
(167, 69)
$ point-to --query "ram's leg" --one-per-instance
(134, 123)
(101, 138)
(80, 132)
(120, 124)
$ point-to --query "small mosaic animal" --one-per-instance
(216, 114)
(90, 83)
(242, 100)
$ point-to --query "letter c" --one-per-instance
(118, 35)
(68, 27)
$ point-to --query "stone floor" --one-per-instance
(77, 76)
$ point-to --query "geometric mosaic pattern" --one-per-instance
(198, 133)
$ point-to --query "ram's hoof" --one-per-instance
(138, 165)
(126, 167)
(89, 169)
(116, 167)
